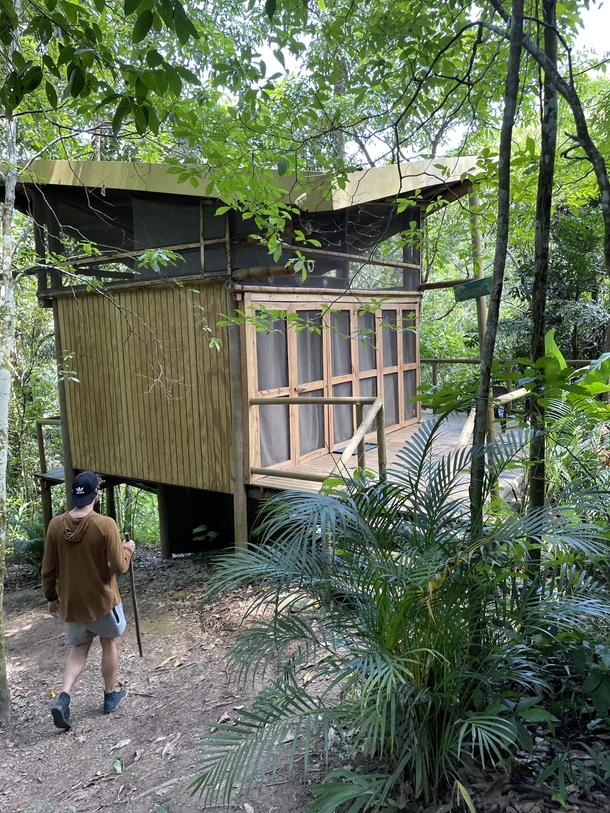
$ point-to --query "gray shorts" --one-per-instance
(110, 625)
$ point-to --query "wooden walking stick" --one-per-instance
(136, 614)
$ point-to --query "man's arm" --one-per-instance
(118, 552)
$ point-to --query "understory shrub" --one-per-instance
(382, 620)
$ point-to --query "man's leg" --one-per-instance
(75, 665)
(110, 663)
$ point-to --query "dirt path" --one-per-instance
(180, 682)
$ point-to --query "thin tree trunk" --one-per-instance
(7, 322)
(544, 200)
(7, 330)
(477, 471)
(583, 137)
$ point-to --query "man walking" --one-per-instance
(84, 553)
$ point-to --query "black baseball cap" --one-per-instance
(84, 487)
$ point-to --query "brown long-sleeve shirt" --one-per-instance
(84, 555)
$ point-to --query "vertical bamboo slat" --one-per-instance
(153, 399)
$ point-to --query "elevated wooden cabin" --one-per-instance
(158, 393)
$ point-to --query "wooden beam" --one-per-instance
(318, 399)
(357, 438)
(261, 271)
(240, 502)
(290, 474)
(432, 286)
(355, 258)
(125, 255)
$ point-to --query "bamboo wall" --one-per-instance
(152, 401)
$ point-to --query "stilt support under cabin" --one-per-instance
(164, 521)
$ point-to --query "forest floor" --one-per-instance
(177, 686)
(142, 758)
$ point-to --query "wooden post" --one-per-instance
(38, 212)
(45, 489)
(46, 503)
(163, 510)
(382, 456)
(238, 411)
(411, 277)
(41, 453)
(54, 244)
(63, 412)
(110, 503)
(362, 444)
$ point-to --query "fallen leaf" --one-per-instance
(138, 756)
(224, 718)
(81, 738)
(166, 661)
(120, 744)
(494, 790)
(51, 693)
(161, 809)
(289, 738)
(117, 766)
(248, 808)
(177, 662)
(170, 747)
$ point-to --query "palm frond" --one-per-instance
(248, 752)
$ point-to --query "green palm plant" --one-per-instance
(380, 617)
(27, 540)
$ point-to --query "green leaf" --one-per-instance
(76, 81)
(282, 166)
(270, 6)
(161, 80)
(142, 26)
(153, 119)
(164, 8)
(100, 5)
(139, 118)
(174, 80)
(181, 16)
(51, 94)
(536, 714)
(117, 766)
(32, 79)
(154, 58)
(129, 6)
(551, 349)
(141, 90)
(181, 31)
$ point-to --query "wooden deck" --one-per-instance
(444, 443)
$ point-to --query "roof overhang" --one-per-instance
(312, 192)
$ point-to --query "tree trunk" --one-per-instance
(7, 322)
(477, 471)
(583, 137)
(544, 199)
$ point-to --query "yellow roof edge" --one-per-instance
(315, 191)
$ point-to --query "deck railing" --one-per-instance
(364, 423)
(504, 401)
